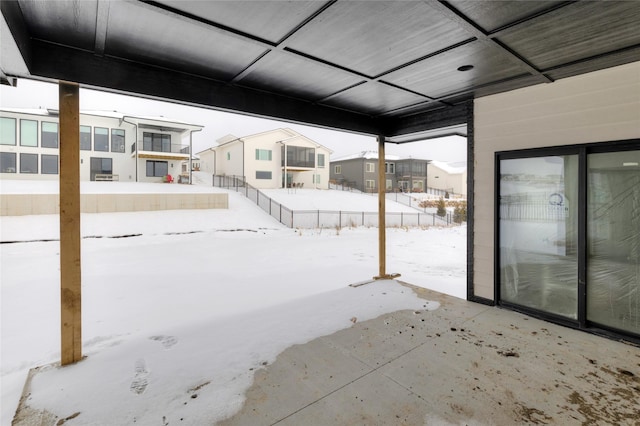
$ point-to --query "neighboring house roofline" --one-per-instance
(156, 122)
(373, 155)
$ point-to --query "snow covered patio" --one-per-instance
(444, 362)
(227, 316)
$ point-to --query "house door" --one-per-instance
(568, 233)
(101, 166)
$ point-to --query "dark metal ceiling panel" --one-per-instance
(575, 32)
(383, 67)
(375, 37)
(71, 24)
(373, 98)
(300, 77)
(438, 76)
(270, 21)
(140, 33)
(492, 15)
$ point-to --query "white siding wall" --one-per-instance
(122, 163)
(174, 165)
(233, 165)
(446, 181)
(595, 107)
(207, 161)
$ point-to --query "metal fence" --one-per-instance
(324, 218)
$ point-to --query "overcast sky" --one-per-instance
(35, 94)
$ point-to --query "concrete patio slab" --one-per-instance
(463, 363)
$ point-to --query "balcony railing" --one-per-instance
(161, 148)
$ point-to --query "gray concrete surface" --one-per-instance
(462, 364)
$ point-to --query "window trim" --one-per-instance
(155, 162)
(122, 146)
(337, 169)
(25, 155)
(15, 131)
(95, 139)
(370, 167)
(42, 139)
(15, 162)
(26, 120)
(42, 168)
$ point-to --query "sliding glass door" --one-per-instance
(538, 233)
(613, 240)
(568, 234)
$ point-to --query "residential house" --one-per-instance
(359, 171)
(113, 146)
(449, 177)
(260, 160)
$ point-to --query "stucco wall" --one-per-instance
(35, 204)
(596, 107)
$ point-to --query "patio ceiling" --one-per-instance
(381, 67)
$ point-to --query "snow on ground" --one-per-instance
(195, 303)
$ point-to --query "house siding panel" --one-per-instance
(595, 107)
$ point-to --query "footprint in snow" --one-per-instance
(140, 379)
(167, 341)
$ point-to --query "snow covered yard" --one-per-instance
(194, 302)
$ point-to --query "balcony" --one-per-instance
(162, 151)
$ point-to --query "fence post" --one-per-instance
(280, 218)
(291, 219)
(401, 219)
(362, 218)
(340, 218)
(434, 218)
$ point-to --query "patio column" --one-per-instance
(70, 273)
(382, 226)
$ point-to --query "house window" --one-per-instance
(85, 138)
(29, 133)
(418, 185)
(49, 138)
(316, 178)
(263, 175)
(370, 167)
(338, 170)
(389, 185)
(7, 162)
(263, 154)
(320, 160)
(299, 156)
(117, 140)
(28, 163)
(101, 139)
(228, 156)
(156, 142)
(389, 168)
(370, 184)
(157, 168)
(7, 131)
(102, 166)
(49, 164)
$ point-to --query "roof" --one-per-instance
(227, 139)
(450, 168)
(373, 155)
(405, 70)
(148, 121)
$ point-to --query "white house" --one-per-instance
(113, 146)
(449, 177)
(261, 161)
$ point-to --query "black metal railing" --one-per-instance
(326, 218)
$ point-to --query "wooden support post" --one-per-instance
(382, 212)
(70, 272)
(382, 225)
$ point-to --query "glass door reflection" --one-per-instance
(538, 229)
